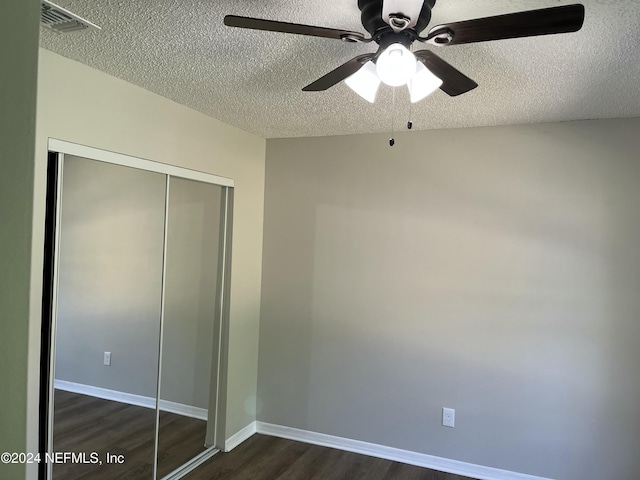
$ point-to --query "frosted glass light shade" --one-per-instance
(396, 65)
(423, 83)
(365, 82)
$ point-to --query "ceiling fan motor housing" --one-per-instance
(371, 15)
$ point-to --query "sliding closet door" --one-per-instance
(137, 296)
(191, 328)
(108, 319)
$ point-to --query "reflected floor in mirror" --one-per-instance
(85, 424)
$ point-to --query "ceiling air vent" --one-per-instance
(61, 20)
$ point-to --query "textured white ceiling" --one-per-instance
(181, 50)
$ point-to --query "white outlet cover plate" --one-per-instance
(448, 417)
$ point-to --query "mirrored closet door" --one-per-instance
(189, 339)
(136, 301)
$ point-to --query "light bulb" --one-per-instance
(396, 65)
(365, 82)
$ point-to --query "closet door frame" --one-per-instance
(57, 149)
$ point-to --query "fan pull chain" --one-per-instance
(392, 140)
(410, 122)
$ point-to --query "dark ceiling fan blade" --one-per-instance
(343, 71)
(564, 19)
(454, 82)
(284, 27)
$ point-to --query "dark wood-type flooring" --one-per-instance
(88, 424)
(270, 458)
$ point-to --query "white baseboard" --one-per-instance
(371, 449)
(389, 453)
(131, 399)
(237, 438)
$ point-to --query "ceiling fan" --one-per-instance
(396, 24)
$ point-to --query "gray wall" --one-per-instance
(111, 253)
(19, 59)
(110, 287)
(492, 270)
(190, 297)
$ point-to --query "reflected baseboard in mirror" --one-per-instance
(85, 424)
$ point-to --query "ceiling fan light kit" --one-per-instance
(366, 81)
(396, 24)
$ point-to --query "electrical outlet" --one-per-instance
(107, 358)
(448, 417)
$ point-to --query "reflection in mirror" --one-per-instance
(190, 344)
(108, 319)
